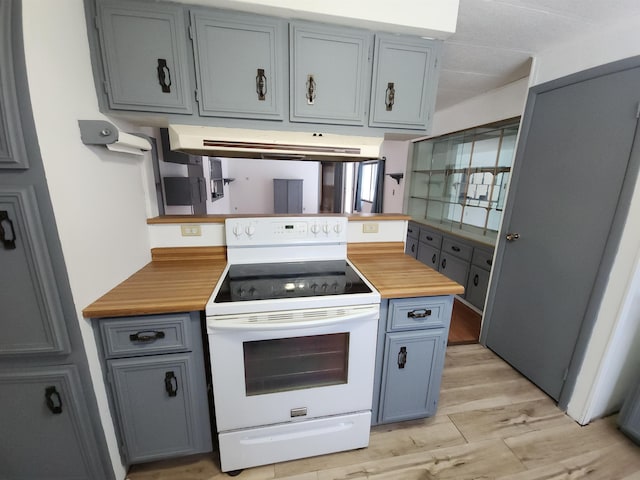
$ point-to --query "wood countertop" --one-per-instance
(182, 279)
(176, 280)
(361, 217)
(397, 275)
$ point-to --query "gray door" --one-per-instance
(568, 175)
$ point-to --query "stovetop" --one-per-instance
(289, 280)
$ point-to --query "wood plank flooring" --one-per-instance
(492, 423)
(465, 324)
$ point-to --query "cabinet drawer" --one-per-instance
(418, 313)
(482, 258)
(413, 231)
(431, 238)
(129, 337)
(456, 248)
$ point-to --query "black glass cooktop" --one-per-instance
(266, 281)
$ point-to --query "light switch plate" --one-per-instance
(369, 227)
(190, 230)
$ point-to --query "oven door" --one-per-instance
(291, 366)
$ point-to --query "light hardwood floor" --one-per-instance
(492, 423)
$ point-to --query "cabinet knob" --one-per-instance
(390, 96)
(402, 357)
(164, 75)
(171, 384)
(311, 90)
(53, 399)
(7, 232)
(261, 84)
(146, 336)
(512, 237)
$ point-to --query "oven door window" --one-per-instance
(295, 363)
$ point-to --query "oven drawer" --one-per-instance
(148, 335)
(418, 313)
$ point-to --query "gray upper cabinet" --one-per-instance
(31, 317)
(329, 74)
(239, 64)
(404, 82)
(12, 148)
(144, 52)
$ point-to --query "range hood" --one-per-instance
(271, 144)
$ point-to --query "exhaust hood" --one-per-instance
(271, 144)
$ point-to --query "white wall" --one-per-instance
(252, 190)
(498, 104)
(610, 362)
(98, 197)
(433, 18)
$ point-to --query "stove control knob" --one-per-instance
(237, 230)
(326, 228)
(252, 291)
(251, 230)
(325, 287)
(315, 228)
(337, 228)
(241, 292)
(334, 287)
(314, 287)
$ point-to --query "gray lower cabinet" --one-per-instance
(43, 418)
(428, 255)
(412, 341)
(155, 371)
(411, 246)
(464, 261)
(453, 267)
(240, 61)
(404, 81)
(330, 72)
(144, 54)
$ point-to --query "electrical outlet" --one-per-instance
(190, 230)
(369, 227)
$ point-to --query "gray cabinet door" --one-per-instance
(157, 407)
(404, 82)
(239, 64)
(411, 247)
(411, 377)
(582, 132)
(476, 290)
(144, 50)
(454, 268)
(330, 71)
(44, 435)
(12, 148)
(287, 195)
(31, 316)
(428, 255)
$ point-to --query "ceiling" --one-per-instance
(495, 39)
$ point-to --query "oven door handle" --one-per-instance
(243, 325)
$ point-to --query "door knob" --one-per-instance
(512, 236)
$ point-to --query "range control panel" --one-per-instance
(282, 231)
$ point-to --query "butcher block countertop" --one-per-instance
(182, 279)
(397, 275)
(176, 280)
